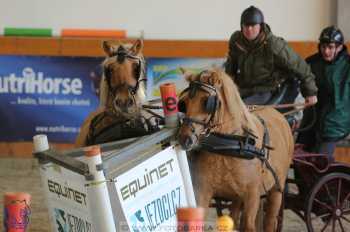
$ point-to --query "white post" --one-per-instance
(41, 144)
(186, 176)
(99, 203)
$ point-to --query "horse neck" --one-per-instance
(228, 123)
(237, 122)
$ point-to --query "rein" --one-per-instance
(301, 106)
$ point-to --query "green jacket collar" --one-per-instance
(246, 45)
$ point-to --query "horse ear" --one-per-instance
(187, 74)
(108, 48)
(137, 47)
(215, 80)
(182, 70)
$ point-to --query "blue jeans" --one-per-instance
(326, 148)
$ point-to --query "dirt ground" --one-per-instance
(23, 175)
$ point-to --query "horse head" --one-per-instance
(122, 87)
(211, 103)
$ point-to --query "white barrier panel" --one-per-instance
(186, 176)
(67, 199)
(146, 183)
(151, 192)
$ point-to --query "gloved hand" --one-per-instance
(311, 100)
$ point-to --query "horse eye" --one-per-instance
(181, 105)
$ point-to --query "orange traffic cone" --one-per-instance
(190, 219)
(17, 211)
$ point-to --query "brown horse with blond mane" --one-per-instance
(241, 155)
(122, 93)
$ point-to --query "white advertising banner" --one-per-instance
(151, 192)
(67, 199)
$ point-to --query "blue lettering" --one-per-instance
(149, 216)
(166, 211)
(162, 209)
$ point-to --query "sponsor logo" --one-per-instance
(37, 83)
(171, 104)
(157, 212)
(66, 192)
(163, 208)
(69, 223)
(137, 222)
(147, 179)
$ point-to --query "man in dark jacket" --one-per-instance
(331, 119)
(260, 63)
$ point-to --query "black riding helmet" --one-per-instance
(252, 16)
(331, 34)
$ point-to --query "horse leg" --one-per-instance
(203, 191)
(235, 211)
(204, 196)
(274, 199)
(250, 209)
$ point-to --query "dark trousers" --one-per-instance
(284, 95)
(257, 99)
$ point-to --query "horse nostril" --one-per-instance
(130, 102)
(118, 102)
(188, 142)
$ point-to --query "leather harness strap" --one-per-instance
(243, 147)
(109, 126)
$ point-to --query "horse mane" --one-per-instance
(234, 101)
(104, 90)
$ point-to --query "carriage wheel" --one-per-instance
(328, 204)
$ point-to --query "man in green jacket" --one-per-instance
(260, 63)
(331, 119)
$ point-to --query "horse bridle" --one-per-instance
(211, 105)
(121, 54)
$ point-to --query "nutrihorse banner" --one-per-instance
(46, 95)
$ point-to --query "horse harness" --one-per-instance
(241, 146)
(109, 126)
(211, 104)
(238, 146)
(121, 54)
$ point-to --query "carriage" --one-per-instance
(322, 194)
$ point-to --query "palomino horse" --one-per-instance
(122, 94)
(241, 156)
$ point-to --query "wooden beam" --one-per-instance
(91, 47)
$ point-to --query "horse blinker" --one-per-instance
(211, 104)
(181, 106)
